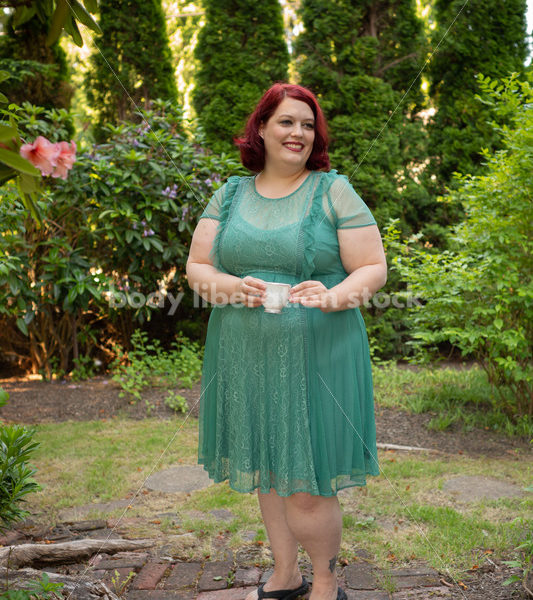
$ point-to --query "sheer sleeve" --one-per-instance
(347, 206)
(212, 210)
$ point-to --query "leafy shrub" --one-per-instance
(478, 294)
(16, 448)
(4, 396)
(120, 225)
(39, 589)
(149, 365)
(176, 402)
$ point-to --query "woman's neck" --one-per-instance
(275, 183)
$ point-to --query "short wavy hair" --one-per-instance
(251, 143)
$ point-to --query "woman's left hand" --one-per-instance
(314, 294)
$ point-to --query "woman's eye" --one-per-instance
(309, 126)
(286, 122)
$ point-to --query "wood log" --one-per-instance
(405, 448)
(64, 552)
(75, 587)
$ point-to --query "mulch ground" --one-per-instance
(33, 402)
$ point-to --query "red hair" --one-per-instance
(251, 144)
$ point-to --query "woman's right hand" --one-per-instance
(252, 291)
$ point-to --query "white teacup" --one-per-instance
(277, 296)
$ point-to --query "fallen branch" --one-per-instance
(27, 554)
(74, 587)
(406, 448)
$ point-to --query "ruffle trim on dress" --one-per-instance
(231, 188)
(311, 221)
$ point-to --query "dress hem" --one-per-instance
(285, 495)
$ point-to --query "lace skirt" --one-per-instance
(287, 400)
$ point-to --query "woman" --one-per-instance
(287, 401)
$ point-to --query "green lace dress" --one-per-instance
(287, 400)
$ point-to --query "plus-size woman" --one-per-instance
(287, 401)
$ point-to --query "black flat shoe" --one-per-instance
(341, 594)
(284, 594)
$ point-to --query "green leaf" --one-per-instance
(28, 183)
(7, 133)
(91, 5)
(3, 98)
(30, 203)
(15, 161)
(59, 19)
(83, 16)
(72, 27)
(22, 326)
(498, 323)
(22, 15)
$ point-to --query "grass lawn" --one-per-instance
(400, 516)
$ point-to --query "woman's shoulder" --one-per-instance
(331, 177)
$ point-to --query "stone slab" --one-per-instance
(79, 512)
(415, 581)
(429, 593)
(470, 488)
(209, 579)
(183, 575)
(86, 525)
(231, 594)
(123, 574)
(150, 575)
(366, 595)
(420, 570)
(160, 595)
(244, 577)
(133, 563)
(179, 479)
(222, 514)
(360, 577)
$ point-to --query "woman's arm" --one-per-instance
(210, 283)
(363, 258)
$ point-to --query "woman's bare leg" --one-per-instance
(283, 544)
(316, 522)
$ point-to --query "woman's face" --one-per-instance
(289, 133)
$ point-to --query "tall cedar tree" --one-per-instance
(242, 52)
(133, 44)
(488, 37)
(47, 87)
(360, 58)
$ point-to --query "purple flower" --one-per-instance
(148, 232)
(134, 225)
(170, 192)
(135, 144)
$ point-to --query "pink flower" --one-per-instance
(65, 160)
(42, 154)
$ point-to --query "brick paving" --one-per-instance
(148, 576)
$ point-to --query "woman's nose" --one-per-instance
(297, 130)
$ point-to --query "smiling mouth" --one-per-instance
(295, 147)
